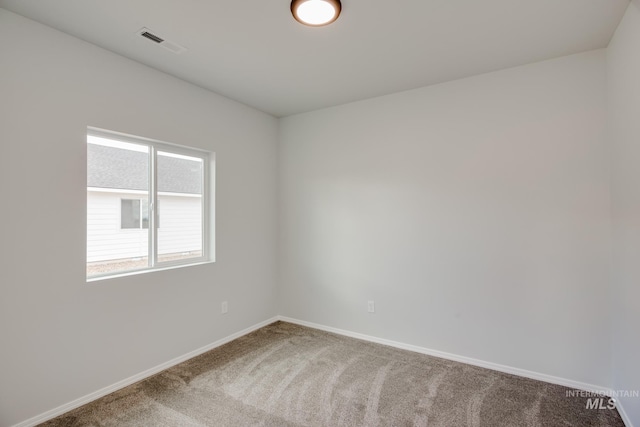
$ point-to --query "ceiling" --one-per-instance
(253, 51)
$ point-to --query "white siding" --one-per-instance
(105, 239)
(180, 224)
(180, 227)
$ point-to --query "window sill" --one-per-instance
(145, 271)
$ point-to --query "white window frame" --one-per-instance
(155, 146)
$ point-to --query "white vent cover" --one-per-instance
(160, 41)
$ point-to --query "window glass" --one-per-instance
(180, 182)
(130, 213)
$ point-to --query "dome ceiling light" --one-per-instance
(316, 13)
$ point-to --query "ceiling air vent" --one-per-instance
(150, 36)
(173, 47)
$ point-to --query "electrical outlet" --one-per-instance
(224, 307)
(371, 307)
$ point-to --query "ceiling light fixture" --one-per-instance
(316, 13)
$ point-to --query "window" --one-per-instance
(127, 179)
(134, 213)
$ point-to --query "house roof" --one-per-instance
(117, 168)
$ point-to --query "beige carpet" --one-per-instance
(288, 375)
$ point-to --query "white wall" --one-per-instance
(475, 213)
(61, 338)
(624, 114)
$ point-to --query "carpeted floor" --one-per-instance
(288, 375)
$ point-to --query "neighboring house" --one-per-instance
(117, 204)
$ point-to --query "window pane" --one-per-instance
(117, 198)
(130, 213)
(180, 190)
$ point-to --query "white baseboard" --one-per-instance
(138, 377)
(31, 422)
(457, 358)
(623, 414)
